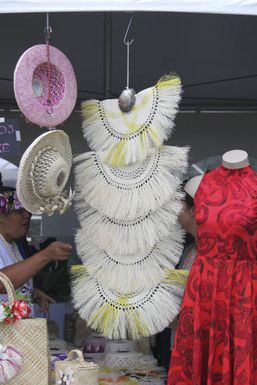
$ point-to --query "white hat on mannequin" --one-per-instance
(192, 185)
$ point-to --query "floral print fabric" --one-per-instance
(216, 339)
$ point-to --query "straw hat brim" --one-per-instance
(57, 140)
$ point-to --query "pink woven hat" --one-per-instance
(45, 85)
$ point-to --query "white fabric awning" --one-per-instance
(240, 7)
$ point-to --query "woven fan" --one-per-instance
(120, 316)
(127, 236)
(126, 138)
(130, 191)
(128, 273)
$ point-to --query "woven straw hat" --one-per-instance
(45, 98)
(43, 173)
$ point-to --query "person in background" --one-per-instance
(164, 340)
(54, 279)
(39, 296)
(14, 224)
(187, 221)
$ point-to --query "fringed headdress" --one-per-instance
(128, 236)
(128, 201)
(130, 191)
(132, 315)
(133, 271)
(126, 138)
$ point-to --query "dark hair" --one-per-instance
(189, 200)
(47, 242)
(4, 189)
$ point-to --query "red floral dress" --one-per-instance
(216, 339)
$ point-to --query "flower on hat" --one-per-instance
(9, 201)
(16, 203)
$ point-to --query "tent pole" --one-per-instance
(107, 54)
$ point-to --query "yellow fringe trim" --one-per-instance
(155, 136)
(116, 155)
(89, 109)
(176, 276)
(141, 329)
(78, 271)
(103, 319)
(169, 81)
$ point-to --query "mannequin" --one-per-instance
(216, 338)
(235, 159)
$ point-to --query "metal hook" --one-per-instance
(127, 43)
(48, 29)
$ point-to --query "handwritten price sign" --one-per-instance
(9, 137)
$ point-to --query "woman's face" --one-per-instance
(187, 218)
(16, 224)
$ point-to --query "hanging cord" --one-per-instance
(128, 44)
(48, 32)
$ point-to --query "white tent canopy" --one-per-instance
(240, 7)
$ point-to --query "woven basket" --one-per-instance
(79, 371)
(120, 346)
(123, 361)
(30, 337)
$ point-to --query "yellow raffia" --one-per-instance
(77, 270)
(102, 319)
(131, 124)
(168, 81)
(122, 300)
(140, 329)
(176, 276)
(116, 155)
(89, 110)
(155, 136)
